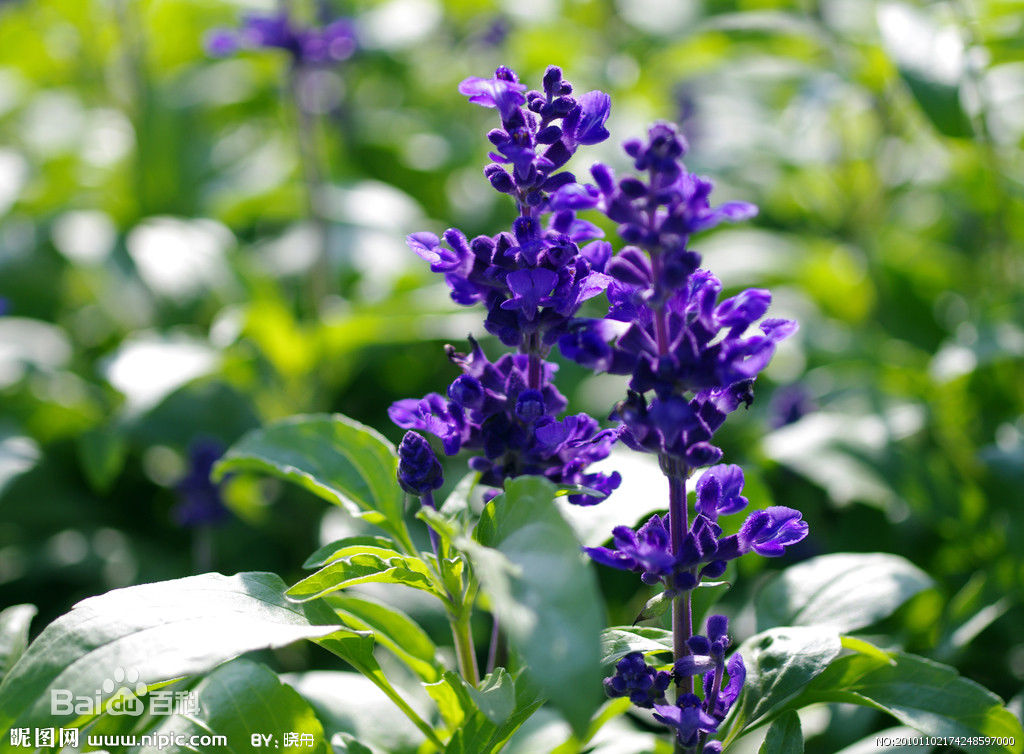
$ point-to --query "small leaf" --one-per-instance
(366, 568)
(866, 648)
(392, 629)
(618, 642)
(239, 701)
(784, 736)
(780, 663)
(332, 456)
(495, 697)
(14, 625)
(923, 694)
(381, 546)
(453, 701)
(844, 591)
(655, 606)
(102, 453)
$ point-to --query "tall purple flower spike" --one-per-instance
(532, 279)
(692, 358)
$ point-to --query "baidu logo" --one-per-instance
(119, 695)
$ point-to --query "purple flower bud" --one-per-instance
(419, 471)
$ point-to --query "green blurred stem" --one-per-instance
(464, 649)
(312, 174)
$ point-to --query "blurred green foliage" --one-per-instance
(161, 214)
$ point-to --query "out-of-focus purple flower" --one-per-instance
(199, 499)
(634, 678)
(790, 404)
(332, 43)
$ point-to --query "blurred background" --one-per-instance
(194, 244)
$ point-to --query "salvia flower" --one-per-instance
(643, 684)
(692, 716)
(199, 499)
(325, 45)
(419, 471)
(532, 280)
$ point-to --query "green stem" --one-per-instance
(464, 649)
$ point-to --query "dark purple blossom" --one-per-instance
(419, 471)
(634, 678)
(515, 428)
(199, 499)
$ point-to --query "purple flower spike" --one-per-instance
(687, 718)
(718, 491)
(770, 531)
(500, 93)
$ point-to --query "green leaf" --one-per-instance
(619, 641)
(344, 743)
(242, 700)
(866, 648)
(392, 629)
(845, 591)
(478, 733)
(332, 456)
(451, 697)
(365, 568)
(780, 663)
(381, 546)
(784, 736)
(14, 624)
(923, 694)
(357, 651)
(160, 631)
(544, 592)
(657, 605)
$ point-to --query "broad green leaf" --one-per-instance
(780, 663)
(618, 642)
(332, 456)
(357, 651)
(923, 694)
(365, 568)
(340, 548)
(14, 624)
(240, 701)
(392, 629)
(160, 631)
(888, 740)
(545, 594)
(844, 591)
(784, 736)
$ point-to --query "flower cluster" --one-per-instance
(694, 718)
(491, 408)
(532, 280)
(644, 685)
(332, 43)
(199, 499)
(692, 360)
(704, 552)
